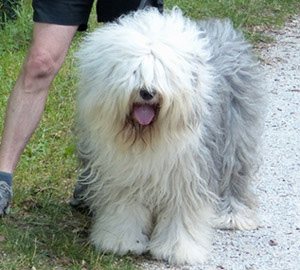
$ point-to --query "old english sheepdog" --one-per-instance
(169, 118)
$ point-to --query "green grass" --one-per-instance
(253, 16)
(42, 231)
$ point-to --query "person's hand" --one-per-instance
(6, 194)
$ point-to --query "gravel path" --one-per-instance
(276, 244)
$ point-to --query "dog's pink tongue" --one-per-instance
(144, 114)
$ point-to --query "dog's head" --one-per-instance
(144, 79)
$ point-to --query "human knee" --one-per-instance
(39, 67)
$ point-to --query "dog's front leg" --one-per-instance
(120, 228)
(182, 236)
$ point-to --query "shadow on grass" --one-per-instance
(43, 235)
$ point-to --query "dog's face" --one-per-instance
(142, 84)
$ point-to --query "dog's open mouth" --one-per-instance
(144, 113)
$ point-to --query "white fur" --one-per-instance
(155, 187)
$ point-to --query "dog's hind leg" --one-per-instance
(242, 130)
(241, 101)
(79, 199)
(237, 208)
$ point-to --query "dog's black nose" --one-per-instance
(146, 94)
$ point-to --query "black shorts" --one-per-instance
(77, 12)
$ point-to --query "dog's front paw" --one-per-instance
(117, 242)
(182, 241)
(120, 230)
(185, 251)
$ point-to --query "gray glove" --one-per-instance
(6, 195)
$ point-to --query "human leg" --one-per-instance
(27, 100)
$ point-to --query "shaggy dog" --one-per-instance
(169, 117)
